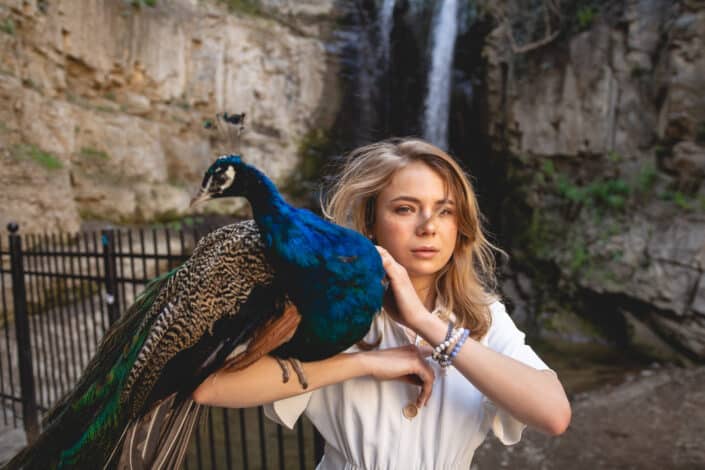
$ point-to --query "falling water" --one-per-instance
(437, 106)
(386, 16)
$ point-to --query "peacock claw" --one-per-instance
(285, 369)
(298, 368)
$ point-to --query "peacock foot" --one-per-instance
(285, 369)
(298, 369)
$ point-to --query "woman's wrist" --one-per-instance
(417, 320)
(432, 329)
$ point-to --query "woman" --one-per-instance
(416, 204)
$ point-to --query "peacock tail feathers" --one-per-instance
(179, 325)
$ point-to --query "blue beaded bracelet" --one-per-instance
(459, 344)
(447, 359)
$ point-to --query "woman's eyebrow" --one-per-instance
(418, 201)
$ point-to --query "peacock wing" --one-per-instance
(221, 291)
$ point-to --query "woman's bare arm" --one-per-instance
(535, 397)
(262, 382)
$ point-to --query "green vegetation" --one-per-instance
(646, 178)
(148, 3)
(183, 103)
(548, 169)
(36, 155)
(614, 157)
(607, 193)
(612, 193)
(7, 26)
(93, 154)
(684, 201)
(579, 257)
(313, 151)
(248, 7)
(585, 16)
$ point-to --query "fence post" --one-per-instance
(110, 270)
(318, 446)
(24, 351)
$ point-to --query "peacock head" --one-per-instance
(221, 180)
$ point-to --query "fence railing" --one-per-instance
(60, 293)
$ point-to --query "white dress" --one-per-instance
(363, 425)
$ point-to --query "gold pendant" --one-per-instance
(410, 411)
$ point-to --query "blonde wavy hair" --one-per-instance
(466, 285)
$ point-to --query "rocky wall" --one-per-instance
(103, 104)
(603, 132)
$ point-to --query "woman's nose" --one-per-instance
(427, 225)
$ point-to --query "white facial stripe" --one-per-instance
(230, 176)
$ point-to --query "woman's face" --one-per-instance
(415, 220)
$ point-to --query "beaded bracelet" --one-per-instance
(440, 353)
(444, 345)
(463, 337)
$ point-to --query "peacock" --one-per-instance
(287, 283)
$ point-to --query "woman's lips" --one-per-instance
(424, 253)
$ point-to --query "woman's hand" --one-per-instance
(405, 363)
(401, 301)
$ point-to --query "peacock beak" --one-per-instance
(200, 197)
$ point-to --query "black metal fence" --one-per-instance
(60, 293)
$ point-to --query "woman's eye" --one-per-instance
(402, 210)
(446, 211)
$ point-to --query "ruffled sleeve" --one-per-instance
(504, 337)
(288, 410)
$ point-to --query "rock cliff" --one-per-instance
(102, 104)
(602, 132)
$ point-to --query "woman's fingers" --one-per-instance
(426, 376)
(404, 363)
(422, 375)
(392, 268)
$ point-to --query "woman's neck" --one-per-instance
(425, 290)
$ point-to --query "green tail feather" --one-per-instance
(90, 415)
(112, 344)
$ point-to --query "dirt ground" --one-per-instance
(655, 420)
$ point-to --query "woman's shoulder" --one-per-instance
(501, 324)
(496, 307)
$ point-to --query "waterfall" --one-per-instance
(437, 105)
(386, 17)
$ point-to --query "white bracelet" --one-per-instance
(440, 352)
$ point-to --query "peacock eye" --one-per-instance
(224, 178)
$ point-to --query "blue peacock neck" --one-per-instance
(268, 205)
